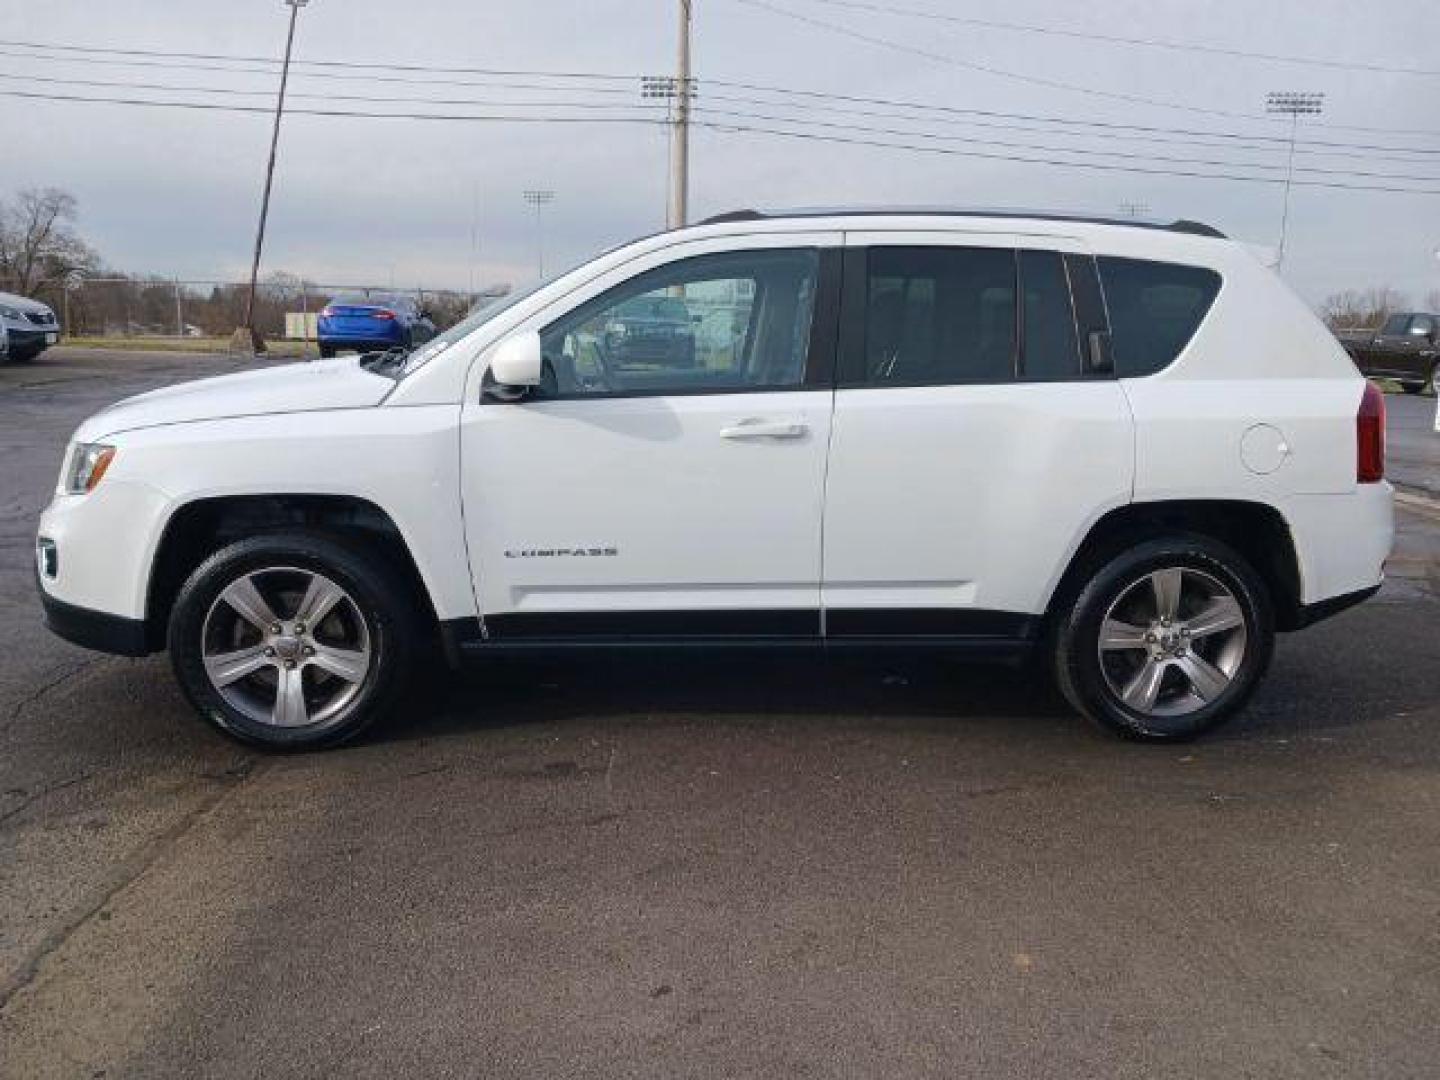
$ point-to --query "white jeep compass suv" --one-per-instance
(1127, 447)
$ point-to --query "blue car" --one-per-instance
(372, 323)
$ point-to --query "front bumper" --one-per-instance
(26, 341)
(98, 630)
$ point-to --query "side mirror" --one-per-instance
(516, 365)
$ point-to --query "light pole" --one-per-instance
(1294, 104)
(247, 338)
(538, 197)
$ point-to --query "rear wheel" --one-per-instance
(1166, 640)
(292, 641)
(326, 351)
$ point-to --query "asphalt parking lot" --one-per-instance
(772, 866)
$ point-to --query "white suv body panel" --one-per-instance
(920, 497)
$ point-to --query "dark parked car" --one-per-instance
(1404, 349)
(370, 323)
(651, 330)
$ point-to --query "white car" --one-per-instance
(27, 327)
(1126, 448)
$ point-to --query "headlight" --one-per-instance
(85, 467)
(10, 313)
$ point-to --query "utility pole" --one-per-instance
(247, 338)
(678, 91)
(538, 198)
(1294, 104)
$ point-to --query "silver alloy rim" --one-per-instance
(286, 647)
(1172, 642)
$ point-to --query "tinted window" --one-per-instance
(1089, 309)
(1155, 308)
(714, 323)
(1395, 324)
(1422, 324)
(1048, 349)
(939, 315)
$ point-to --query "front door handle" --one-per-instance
(756, 428)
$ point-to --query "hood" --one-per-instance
(22, 303)
(328, 384)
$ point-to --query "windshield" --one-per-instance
(480, 314)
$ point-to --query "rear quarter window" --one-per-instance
(1155, 309)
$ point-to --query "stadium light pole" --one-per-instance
(1294, 104)
(538, 197)
(247, 338)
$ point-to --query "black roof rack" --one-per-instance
(1195, 228)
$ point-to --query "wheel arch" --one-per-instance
(199, 528)
(1258, 531)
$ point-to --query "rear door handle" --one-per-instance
(756, 428)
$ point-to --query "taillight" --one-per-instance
(328, 313)
(381, 313)
(1370, 436)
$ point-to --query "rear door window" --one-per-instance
(1395, 325)
(1155, 309)
(1048, 346)
(938, 315)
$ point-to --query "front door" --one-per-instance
(666, 478)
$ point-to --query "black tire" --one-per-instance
(375, 600)
(326, 351)
(24, 356)
(1413, 387)
(1086, 680)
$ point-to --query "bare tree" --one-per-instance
(1432, 300)
(1353, 309)
(37, 240)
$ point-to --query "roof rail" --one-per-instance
(1194, 228)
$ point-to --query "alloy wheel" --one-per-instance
(287, 647)
(1172, 642)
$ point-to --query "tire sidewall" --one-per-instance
(376, 597)
(1079, 653)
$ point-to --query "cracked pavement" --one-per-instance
(762, 866)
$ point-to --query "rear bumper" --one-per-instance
(1310, 614)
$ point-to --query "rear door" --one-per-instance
(674, 489)
(972, 444)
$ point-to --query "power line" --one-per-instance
(1104, 125)
(327, 75)
(367, 98)
(987, 69)
(787, 92)
(1116, 39)
(727, 113)
(1244, 144)
(352, 64)
(1034, 80)
(723, 127)
(1107, 153)
(1099, 166)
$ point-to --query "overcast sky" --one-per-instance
(176, 192)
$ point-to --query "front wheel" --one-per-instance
(292, 641)
(1167, 640)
